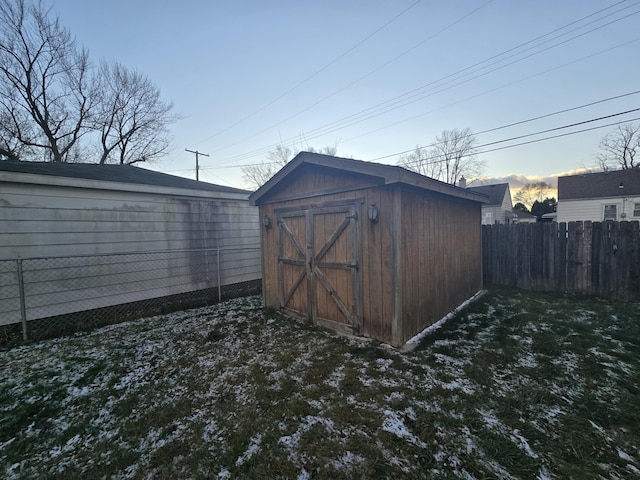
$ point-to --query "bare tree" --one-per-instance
(420, 161)
(43, 79)
(533, 192)
(12, 127)
(257, 174)
(619, 147)
(132, 119)
(451, 156)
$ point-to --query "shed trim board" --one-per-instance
(385, 277)
(397, 277)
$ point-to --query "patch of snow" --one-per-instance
(490, 420)
(78, 392)
(625, 456)
(415, 341)
(252, 449)
(523, 443)
(553, 413)
(597, 427)
(633, 469)
(304, 475)
(292, 441)
(543, 474)
(463, 385)
(527, 361)
(347, 460)
(7, 443)
(394, 424)
(394, 396)
(451, 361)
(384, 363)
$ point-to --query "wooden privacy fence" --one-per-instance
(591, 258)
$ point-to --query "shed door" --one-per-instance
(318, 266)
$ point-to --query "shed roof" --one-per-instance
(388, 174)
(495, 192)
(112, 173)
(618, 183)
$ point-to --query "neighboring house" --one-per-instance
(367, 249)
(499, 208)
(523, 217)
(599, 196)
(65, 220)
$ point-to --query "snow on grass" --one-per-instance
(230, 391)
(394, 424)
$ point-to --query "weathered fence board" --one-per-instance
(590, 258)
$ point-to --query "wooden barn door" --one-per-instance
(319, 275)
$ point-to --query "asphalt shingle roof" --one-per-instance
(495, 192)
(597, 185)
(112, 173)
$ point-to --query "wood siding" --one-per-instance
(376, 240)
(420, 261)
(441, 257)
(591, 258)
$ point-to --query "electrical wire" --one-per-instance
(338, 127)
(435, 158)
(316, 73)
(529, 77)
(392, 104)
(359, 79)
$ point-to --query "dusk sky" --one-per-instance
(377, 77)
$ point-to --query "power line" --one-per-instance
(317, 72)
(419, 93)
(337, 126)
(529, 77)
(359, 79)
(557, 136)
(435, 159)
(510, 139)
(528, 120)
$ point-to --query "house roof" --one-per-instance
(495, 192)
(112, 173)
(388, 174)
(618, 183)
(523, 215)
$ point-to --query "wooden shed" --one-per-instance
(367, 249)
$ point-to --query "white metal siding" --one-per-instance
(63, 219)
(54, 221)
(593, 209)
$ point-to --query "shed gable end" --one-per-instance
(314, 180)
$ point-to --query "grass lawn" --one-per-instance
(518, 385)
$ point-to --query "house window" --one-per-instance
(610, 212)
(636, 209)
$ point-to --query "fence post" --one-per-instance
(23, 308)
(219, 287)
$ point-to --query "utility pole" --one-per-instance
(197, 164)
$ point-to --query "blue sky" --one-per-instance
(248, 74)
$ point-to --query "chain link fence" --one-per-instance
(50, 296)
